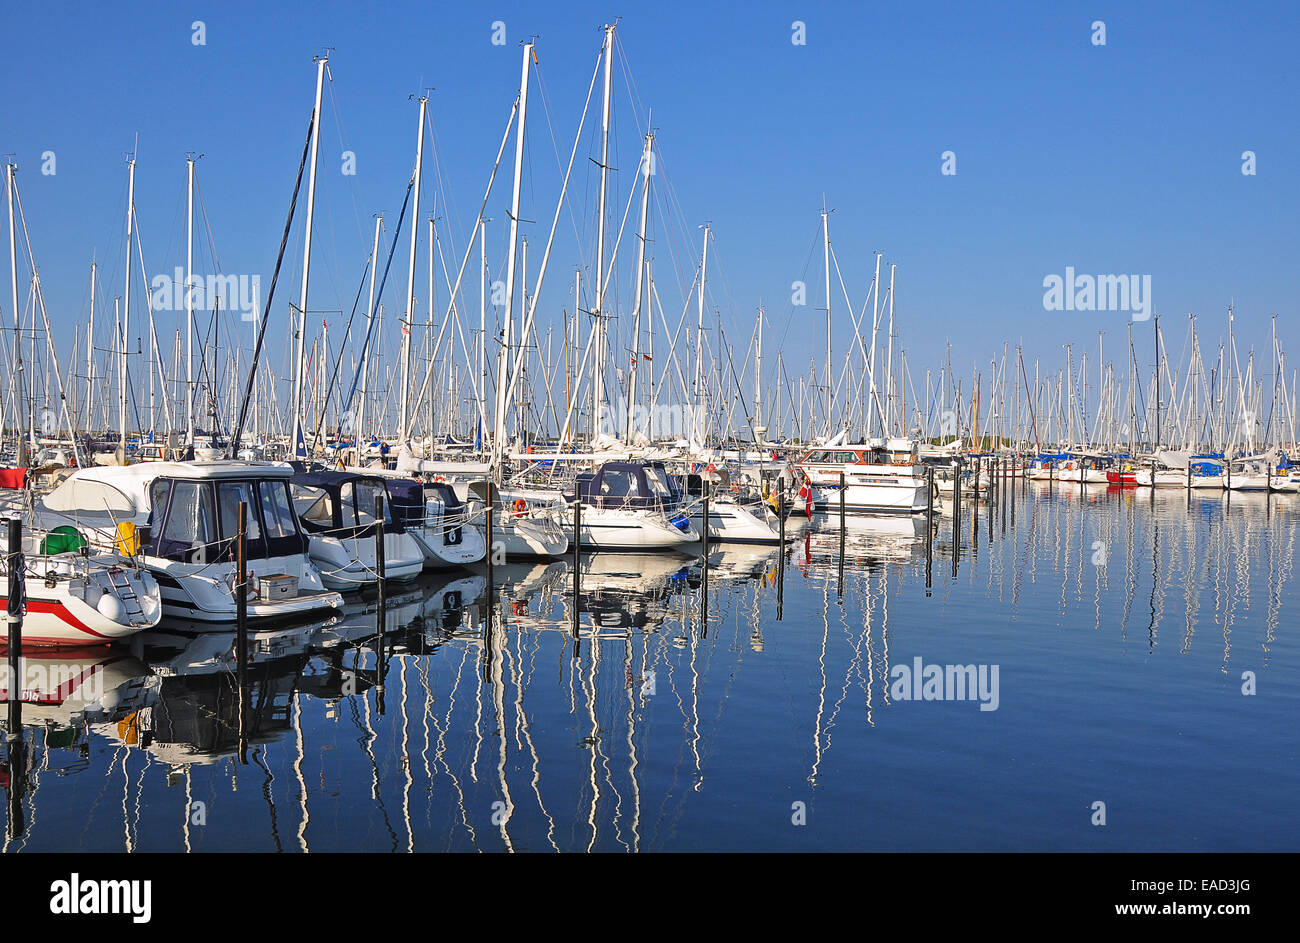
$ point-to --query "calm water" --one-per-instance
(1120, 627)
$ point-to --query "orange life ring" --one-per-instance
(520, 507)
(438, 479)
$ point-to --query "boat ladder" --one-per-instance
(121, 584)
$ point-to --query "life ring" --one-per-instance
(711, 468)
(520, 507)
(439, 479)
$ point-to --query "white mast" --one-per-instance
(126, 312)
(365, 350)
(10, 183)
(598, 375)
(296, 435)
(889, 370)
(480, 383)
(647, 164)
(407, 321)
(499, 431)
(826, 258)
(90, 346)
(699, 335)
(189, 305)
(758, 378)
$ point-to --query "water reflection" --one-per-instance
(662, 707)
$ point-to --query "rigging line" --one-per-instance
(315, 434)
(275, 277)
(338, 125)
(790, 316)
(379, 294)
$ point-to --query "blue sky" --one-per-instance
(1123, 158)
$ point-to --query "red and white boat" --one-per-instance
(73, 598)
(883, 475)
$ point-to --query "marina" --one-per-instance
(481, 722)
(546, 446)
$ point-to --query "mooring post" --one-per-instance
(780, 559)
(956, 515)
(704, 562)
(577, 560)
(241, 625)
(1002, 493)
(241, 594)
(929, 524)
(14, 611)
(381, 608)
(491, 574)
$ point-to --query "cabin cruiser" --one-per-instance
(337, 511)
(881, 475)
(631, 506)
(433, 514)
(182, 520)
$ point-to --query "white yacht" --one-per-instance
(337, 512)
(882, 475)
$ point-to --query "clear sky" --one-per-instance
(1116, 158)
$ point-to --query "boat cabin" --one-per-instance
(875, 452)
(634, 485)
(194, 518)
(342, 504)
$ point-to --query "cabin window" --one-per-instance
(658, 479)
(158, 492)
(313, 505)
(191, 521)
(229, 496)
(619, 484)
(347, 505)
(367, 492)
(277, 511)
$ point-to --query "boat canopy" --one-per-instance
(195, 519)
(629, 485)
(340, 503)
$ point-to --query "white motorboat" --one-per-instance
(883, 475)
(337, 510)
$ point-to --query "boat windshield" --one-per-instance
(659, 485)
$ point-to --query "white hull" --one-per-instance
(348, 564)
(627, 529)
(734, 523)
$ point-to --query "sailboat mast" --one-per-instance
(826, 260)
(407, 321)
(296, 436)
(359, 425)
(499, 432)
(598, 386)
(90, 346)
(189, 304)
(647, 164)
(126, 313)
